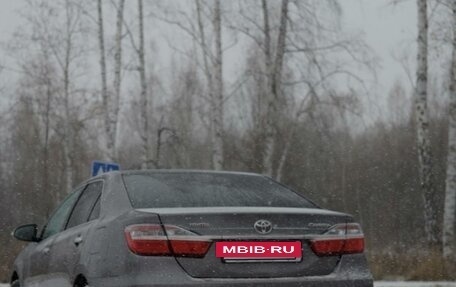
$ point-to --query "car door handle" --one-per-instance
(78, 240)
(46, 250)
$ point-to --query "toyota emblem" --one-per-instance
(263, 226)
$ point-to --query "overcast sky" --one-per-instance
(387, 28)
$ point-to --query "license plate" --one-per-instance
(258, 250)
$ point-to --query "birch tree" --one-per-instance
(296, 55)
(57, 36)
(144, 97)
(67, 60)
(66, 67)
(47, 128)
(422, 122)
(213, 67)
(50, 59)
(217, 120)
(274, 68)
(448, 238)
(104, 87)
(111, 104)
(117, 80)
(205, 29)
(146, 159)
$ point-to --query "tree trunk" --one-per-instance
(422, 121)
(214, 78)
(217, 142)
(47, 121)
(146, 160)
(284, 156)
(448, 238)
(68, 134)
(205, 52)
(104, 88)
(269, 129)
(117, 81)
(274, 79)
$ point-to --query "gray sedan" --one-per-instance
(199, 228)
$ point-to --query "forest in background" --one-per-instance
(274, 87)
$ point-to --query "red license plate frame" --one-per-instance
(259, 250)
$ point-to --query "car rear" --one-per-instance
(230, 229)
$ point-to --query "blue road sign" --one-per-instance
(99, 167)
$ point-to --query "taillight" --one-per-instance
(151, 240)
(339, 239)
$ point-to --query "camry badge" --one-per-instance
(199, 224)
(263, 226)
(319, 225)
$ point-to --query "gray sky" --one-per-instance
(387, 28)
(9, 19)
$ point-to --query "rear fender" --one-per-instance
(108, 254)
(354, 266)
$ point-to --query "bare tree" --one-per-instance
(217, 120)
(269, 126)
(301, 57)
(213, 67)
(449, 217)
(47, 128)
(274, 80)
(422, 121)
(50, 61)
(104, 87)
(38, 96)
(115, 101)
(146, 156)
(68, 130)
(182, 114)
(57, 37)
(206, 33)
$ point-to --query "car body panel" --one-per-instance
(66, 255)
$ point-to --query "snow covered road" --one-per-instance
(414, 284)
(390, 284)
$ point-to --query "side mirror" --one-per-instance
(26, 233)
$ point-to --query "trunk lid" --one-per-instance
(238, 224)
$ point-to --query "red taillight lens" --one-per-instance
(187, 248)
(151, 240)
(328, 246)
(147, 239)
(339, 239)
(354, 245)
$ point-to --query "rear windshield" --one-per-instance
(157, 190)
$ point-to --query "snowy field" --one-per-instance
(390, 284)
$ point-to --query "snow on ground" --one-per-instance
(413, 284)
(389, 284)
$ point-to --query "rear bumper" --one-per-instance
(270, 282)
(352, 271)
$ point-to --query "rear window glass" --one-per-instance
(157, 190)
